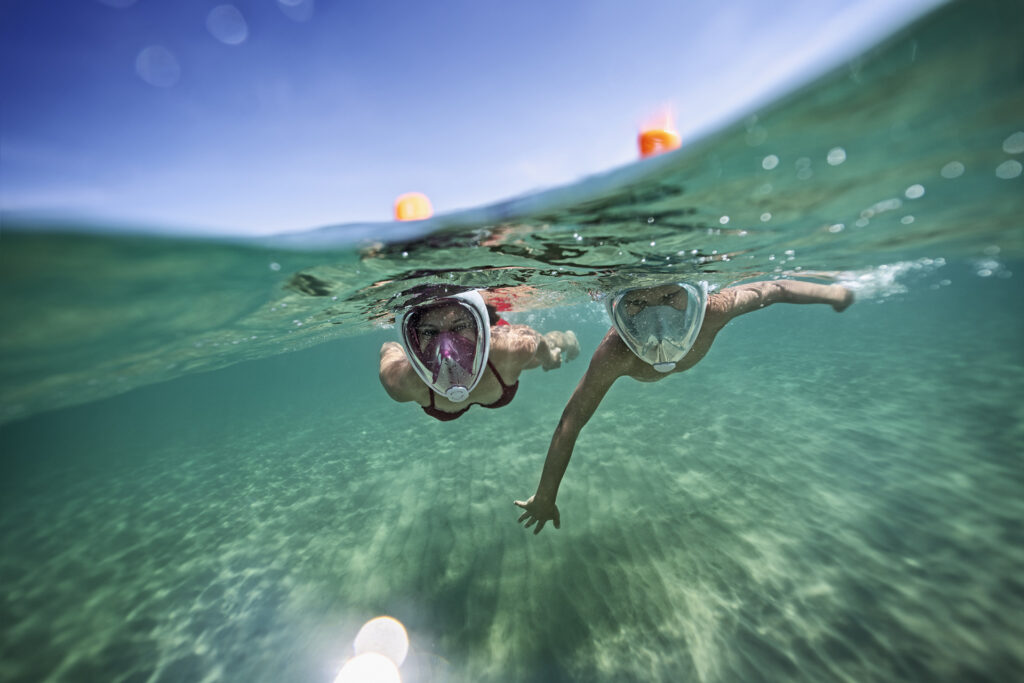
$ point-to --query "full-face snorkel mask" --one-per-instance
(660, 324)
(449, 358)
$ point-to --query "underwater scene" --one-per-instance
(203, 478)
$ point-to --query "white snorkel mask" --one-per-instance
(449, 352)
(660, 324)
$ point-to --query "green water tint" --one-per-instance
(824, 497)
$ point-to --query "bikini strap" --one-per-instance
(497, 376)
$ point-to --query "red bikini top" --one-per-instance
(507, 394)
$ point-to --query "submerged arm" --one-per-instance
(607, 365)
(525, 348)
(756, 295)
(553, 349)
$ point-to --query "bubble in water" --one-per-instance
(724, 220)
(881, 207)
(838, 227)
(769, 162)
(296, 10)
(226, 24)
(914, 191)
(953, 169)
(275, 266)
(756, 135)
(836, 156)
(1014, 144)
(988, 267)
(765, 217)
(157, 66)
(1009, 169)
(907, 220)
(886, 280)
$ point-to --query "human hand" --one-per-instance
(554, 359)
(562, 346)
(571, 345)
(845, 299)
(539, 512)
(565, 342)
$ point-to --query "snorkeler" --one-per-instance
(657, 331)
(456, 353)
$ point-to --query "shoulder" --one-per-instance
(390, 348)
(391, 354)
(396, 373)
(612, 358)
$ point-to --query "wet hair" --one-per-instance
(412, 321)
(492, 315)
(425, 293)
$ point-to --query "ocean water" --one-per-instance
(203, 480)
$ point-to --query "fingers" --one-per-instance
(573, 345)
(531, 519)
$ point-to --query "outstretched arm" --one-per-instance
(607, 365)
(756, 295)
(553, 349)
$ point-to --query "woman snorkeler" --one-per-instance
(456, 352)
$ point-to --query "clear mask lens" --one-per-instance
(660, 333)
(450, 360)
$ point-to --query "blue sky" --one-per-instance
(262, 116)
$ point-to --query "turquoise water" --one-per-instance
(203, 480)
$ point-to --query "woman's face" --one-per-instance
(452, 318)
(662, 295)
